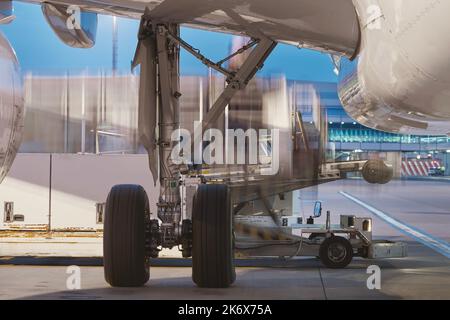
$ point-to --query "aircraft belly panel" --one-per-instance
(326, 25)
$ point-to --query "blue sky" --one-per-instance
(40, 51)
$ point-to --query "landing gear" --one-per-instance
(206, 233)
(124, 253)
(336, 252)
(212, 252)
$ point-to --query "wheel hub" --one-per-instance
(337, 252)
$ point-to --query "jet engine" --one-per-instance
(11, 106)
(377, 172)
(399, 81)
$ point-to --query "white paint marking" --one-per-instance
(436, 244)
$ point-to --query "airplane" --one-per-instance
(394, 76)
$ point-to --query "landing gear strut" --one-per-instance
(205, 232)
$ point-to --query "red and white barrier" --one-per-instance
(414, 168)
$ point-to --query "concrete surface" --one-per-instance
(425, 274)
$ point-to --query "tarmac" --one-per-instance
(415, 212)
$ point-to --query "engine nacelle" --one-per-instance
(400, 81)
(6, 12)
(74, 27)
(377, 172)
(11, 106)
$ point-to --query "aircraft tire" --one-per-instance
(212, 246)
(125, 261)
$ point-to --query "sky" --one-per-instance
(40, 51)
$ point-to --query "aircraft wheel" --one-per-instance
(336, 252)
(212, 246)
(124, 255)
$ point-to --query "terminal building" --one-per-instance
(420, 154)
(98, 115)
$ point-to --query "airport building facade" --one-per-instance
(421, 155)
(98, 115)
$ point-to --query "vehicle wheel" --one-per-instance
(212, 246)
(336, 252)
(124, 258)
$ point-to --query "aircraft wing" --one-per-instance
(324, 25)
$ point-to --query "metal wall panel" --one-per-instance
(27, 185)
(80, 181)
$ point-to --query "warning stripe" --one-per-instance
(419, 168)
(408, 168)
(405, 169)
(415, 168)
(412, 168)
(273, 234)
(422, 168)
